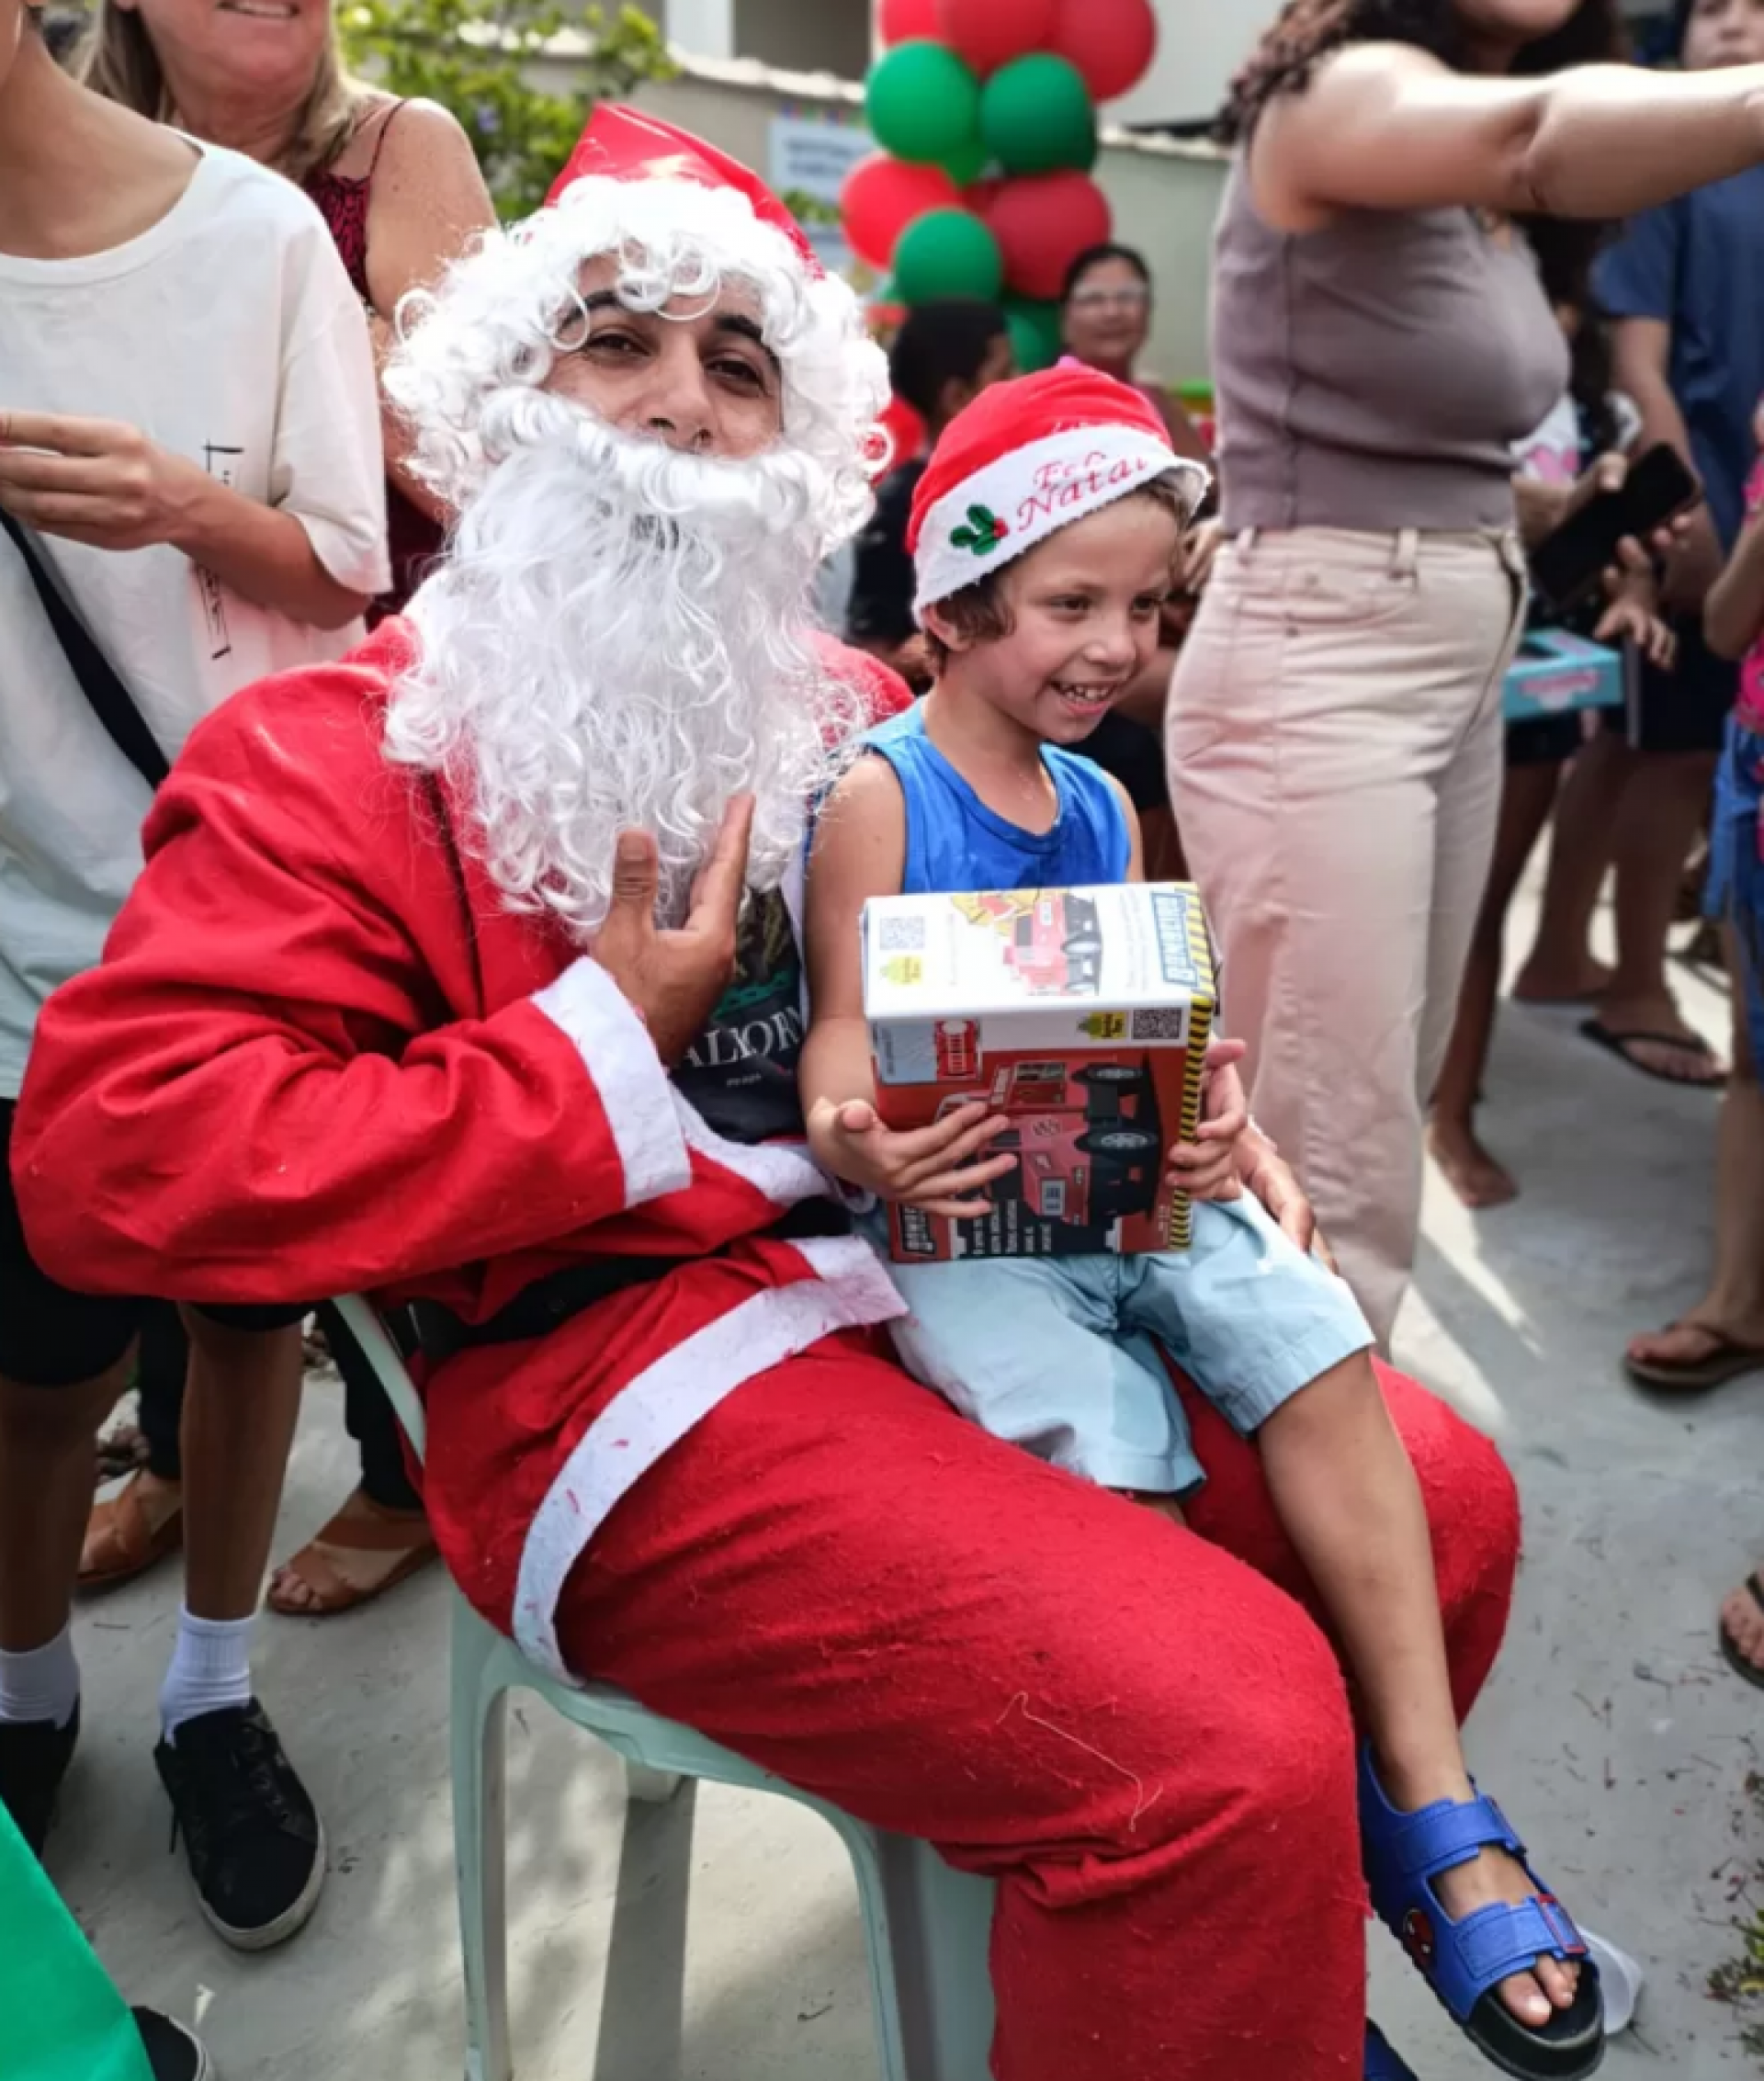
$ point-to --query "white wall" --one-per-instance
(1201, 43)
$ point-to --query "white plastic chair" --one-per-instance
(926, 1927)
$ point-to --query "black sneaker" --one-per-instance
(172, 2052)
(255, 1844)
(34, 1757)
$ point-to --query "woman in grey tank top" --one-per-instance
(1381, 338)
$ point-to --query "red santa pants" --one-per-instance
(1143, 1739)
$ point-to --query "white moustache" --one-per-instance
(781, 491)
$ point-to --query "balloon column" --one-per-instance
(986, 112)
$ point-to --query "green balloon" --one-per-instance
(966, 167)
(923, 104)
(1034, 333)
(1036, 117)
(944, 254)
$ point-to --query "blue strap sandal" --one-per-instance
(1464, 1962)
(1381, 2062)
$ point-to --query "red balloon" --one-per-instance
(1042, 223)
(979, 196)
(989, 33)
(1112, 42)
(903, 20)
(882, 196)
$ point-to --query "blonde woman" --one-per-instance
(398, 187)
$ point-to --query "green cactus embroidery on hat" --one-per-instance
(983, 532)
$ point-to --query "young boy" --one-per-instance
(1046, 532)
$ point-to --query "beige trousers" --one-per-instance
(1334, 766)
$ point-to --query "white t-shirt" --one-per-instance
(226, 332)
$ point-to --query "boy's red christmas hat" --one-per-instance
(1025, 459)
(623, 145)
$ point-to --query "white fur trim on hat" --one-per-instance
(1013, 504)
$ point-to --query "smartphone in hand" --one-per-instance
(1568, 564)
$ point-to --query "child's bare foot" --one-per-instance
(1492, 1876)
(1468, 1168)
(1577, 982)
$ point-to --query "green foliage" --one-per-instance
(475, 58)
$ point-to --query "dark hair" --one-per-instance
(1562, 260)
(940, 344)
(1309, 31)
(1093, 256)
(980, 611)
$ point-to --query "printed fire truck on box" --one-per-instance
(1082, 1013)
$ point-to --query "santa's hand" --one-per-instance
(673, 978)
(939, 1169)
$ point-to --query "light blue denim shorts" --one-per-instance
(1059, 1354)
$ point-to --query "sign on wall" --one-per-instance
(810, 158)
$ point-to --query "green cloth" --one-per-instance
(61, 2016)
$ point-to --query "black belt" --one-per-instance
(539, 1309)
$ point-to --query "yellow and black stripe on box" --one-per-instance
(1180, 1231)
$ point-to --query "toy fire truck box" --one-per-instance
(1555, 672)
(1082, 1013)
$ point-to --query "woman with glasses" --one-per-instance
(1105, 319)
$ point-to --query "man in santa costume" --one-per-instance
(467, 970)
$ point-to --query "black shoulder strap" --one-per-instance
(111, 700)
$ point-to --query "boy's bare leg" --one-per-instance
(1561, 969)
(239, 1419)
(45, 1492)
(1349, 1500)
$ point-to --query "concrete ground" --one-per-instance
(716, 1940)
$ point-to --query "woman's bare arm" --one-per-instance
(1384, 126)
(429, 203)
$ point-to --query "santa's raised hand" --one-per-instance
(674, 978)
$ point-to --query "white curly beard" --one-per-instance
(620, 640)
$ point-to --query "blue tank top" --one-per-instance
(954, 843)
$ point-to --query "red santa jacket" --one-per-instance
(320, 1057)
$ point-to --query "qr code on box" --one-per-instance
(1164, 1025)
(903, 936)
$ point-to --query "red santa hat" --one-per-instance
(1025, 459)
(623, 145)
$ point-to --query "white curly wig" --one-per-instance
(473, 354)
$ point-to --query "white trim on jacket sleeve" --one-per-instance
(594, 1014)
(655, 1410)
(784, 1172)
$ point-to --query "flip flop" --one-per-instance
(1464, 1961)
(120, 1542)
(377, 1531)
(1382, 2062)
(1728, 1361)
(1730, 1647)
(1619, 1044)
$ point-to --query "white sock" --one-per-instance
(210, 1669)
(41, 1683)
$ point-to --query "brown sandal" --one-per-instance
(362, 1526)
(120, 1540)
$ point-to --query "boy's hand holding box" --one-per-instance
(1082, 1013)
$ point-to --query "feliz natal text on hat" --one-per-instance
(1026, 458)
(624, 145)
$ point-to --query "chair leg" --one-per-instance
(650, 1787)
(928, 1930)
(478, 1730)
